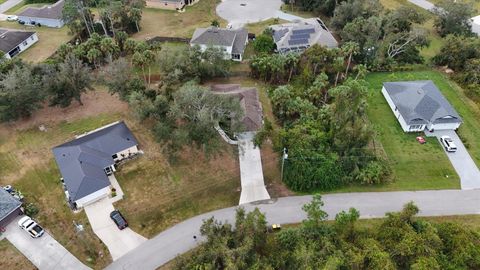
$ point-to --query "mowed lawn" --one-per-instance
(49, 40)
(415, 166)
(169, 23)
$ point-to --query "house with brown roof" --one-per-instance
(249, 101)
(48, 15)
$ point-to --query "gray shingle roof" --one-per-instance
(8, 203)
(48, 11)
(221, 37)
(82, 161)
(9, 39)
(421, 102)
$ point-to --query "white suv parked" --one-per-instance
(448, 144)
(30, 226)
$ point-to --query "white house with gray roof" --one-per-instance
(476, 25)
(87, 162)
(299, 35)
(231, 41)
(419, 105)
(48, 15)
(13, 42)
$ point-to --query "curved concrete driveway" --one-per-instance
(179, 238)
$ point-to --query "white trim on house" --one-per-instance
(24, 45)
(93, 197)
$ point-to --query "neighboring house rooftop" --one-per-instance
(302, 34)
(476, 25)
(47, 12)
(249, 101)
(421, 102)
(82, 161)
(8, 203)
(9, 39)
(215, 36)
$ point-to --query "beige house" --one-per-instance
(170, 4)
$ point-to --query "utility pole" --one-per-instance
(284, 157)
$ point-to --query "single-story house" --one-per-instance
(299, 35)
(419, 105)
(249, 101)
(476, 25)
(87, 162)
(170, 4)
(48, 15)
(232, 41)
(13, 42)
(9, 208)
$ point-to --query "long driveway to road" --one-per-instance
(8, 5)
(179, 238)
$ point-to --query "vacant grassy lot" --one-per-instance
(49, 40)
(12, 259)
(418, 166)
(157, 22)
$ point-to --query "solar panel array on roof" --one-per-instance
(303, 31)
(297, 41)
(300, 36)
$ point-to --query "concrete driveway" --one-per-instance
(8, 5)
(461, 160)
(44, 252)
(241, 12)
(118, 242)
(251, 171)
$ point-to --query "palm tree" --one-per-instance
(109, 47)
(136, 16)
(93, 55)
(350, 48)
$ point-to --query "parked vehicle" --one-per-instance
(12, 18)
(31, 227)
(119, 220)
(448, 144)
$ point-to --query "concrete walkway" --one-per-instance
(44, 252)
(461, 160)
(179, 238)
(118, 242)
(423, 4)
(251, 172)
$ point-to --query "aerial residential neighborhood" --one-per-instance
(239, 134)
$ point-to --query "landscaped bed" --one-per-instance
(416, 166)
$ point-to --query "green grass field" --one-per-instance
(416, 166)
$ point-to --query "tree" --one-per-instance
(264, 44)
(350, 49)
(118, 77)
(347, 11)
(71, 80)
(215, 23)
(93, 56)
(136, 16)
(457, 51)
(20, 93)
(453, 18)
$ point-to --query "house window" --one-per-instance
(25, 43)
(31, 38)
(416, 127)
(115, 156)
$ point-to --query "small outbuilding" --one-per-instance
(48, 15)
(419, 105)
(13, 42)
(9, 208)
(87, 162)
(232, 41)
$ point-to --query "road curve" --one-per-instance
(179, 238)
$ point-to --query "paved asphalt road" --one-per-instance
(44, 252)
(8, 5)
(423, 4)
(179, 238)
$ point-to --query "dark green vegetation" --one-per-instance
(400, 241)
(454, 18)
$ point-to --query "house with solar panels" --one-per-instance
(299, 35)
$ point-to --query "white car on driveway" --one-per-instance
(448, 144)
(31, 227)
(12, 18)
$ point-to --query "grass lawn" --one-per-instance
(11, 258)
(158, 22)
(49, 40)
